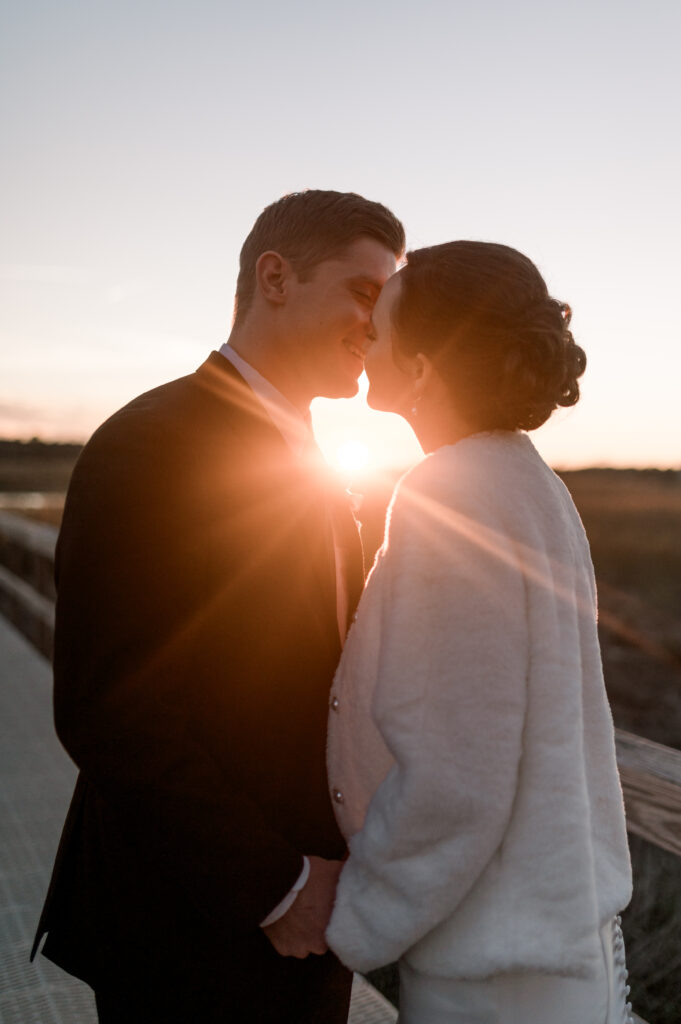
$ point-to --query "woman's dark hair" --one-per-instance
(483, 313)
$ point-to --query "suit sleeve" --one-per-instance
(449, 702)
(137, 685)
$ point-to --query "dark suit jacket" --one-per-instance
(196, 641)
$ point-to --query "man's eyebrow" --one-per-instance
(372, 282)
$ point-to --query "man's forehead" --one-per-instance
(367, 256)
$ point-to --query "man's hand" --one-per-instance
(300, 931)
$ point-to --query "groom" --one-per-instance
(206, 568)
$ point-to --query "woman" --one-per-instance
(471, 750)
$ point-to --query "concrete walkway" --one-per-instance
(36, 784)
(36, 781)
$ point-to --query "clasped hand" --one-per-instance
(300, 931)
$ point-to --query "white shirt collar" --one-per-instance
(289, 421)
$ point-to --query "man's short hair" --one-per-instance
(309, 227)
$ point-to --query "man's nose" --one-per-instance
(364, 344)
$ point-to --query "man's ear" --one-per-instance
(272, 273)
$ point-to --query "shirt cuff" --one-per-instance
(290, 897)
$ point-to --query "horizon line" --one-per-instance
(396, 467)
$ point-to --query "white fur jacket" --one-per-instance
(471, 751)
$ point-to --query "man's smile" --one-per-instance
(355, 350)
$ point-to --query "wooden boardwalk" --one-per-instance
(36, 780)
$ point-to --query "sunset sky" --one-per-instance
(141, 139)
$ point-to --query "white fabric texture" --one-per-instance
(531, 997)
(471, 746)
(290, 898)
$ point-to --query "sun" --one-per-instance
(352, 456)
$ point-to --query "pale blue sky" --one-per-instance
(141, 140)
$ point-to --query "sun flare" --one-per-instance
(352, 456)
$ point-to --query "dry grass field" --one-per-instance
(633, 520)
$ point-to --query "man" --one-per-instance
(205, 574)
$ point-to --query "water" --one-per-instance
(31, 500)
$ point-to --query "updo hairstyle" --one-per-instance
(483, 314)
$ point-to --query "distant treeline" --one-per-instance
(37, 449)
(36, 465)
(670, 476)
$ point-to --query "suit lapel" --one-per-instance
(223, 382)
(269, 457)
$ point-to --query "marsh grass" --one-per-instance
(633, 521)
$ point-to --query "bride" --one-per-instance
(471, 749)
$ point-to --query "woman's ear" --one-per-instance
(421, 371)
(272, 272)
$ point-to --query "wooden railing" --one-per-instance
(650, 772)
(651, 781)
(27, 578)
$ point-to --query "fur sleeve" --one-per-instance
(449, 701)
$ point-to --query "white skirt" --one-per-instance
(528, 998)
